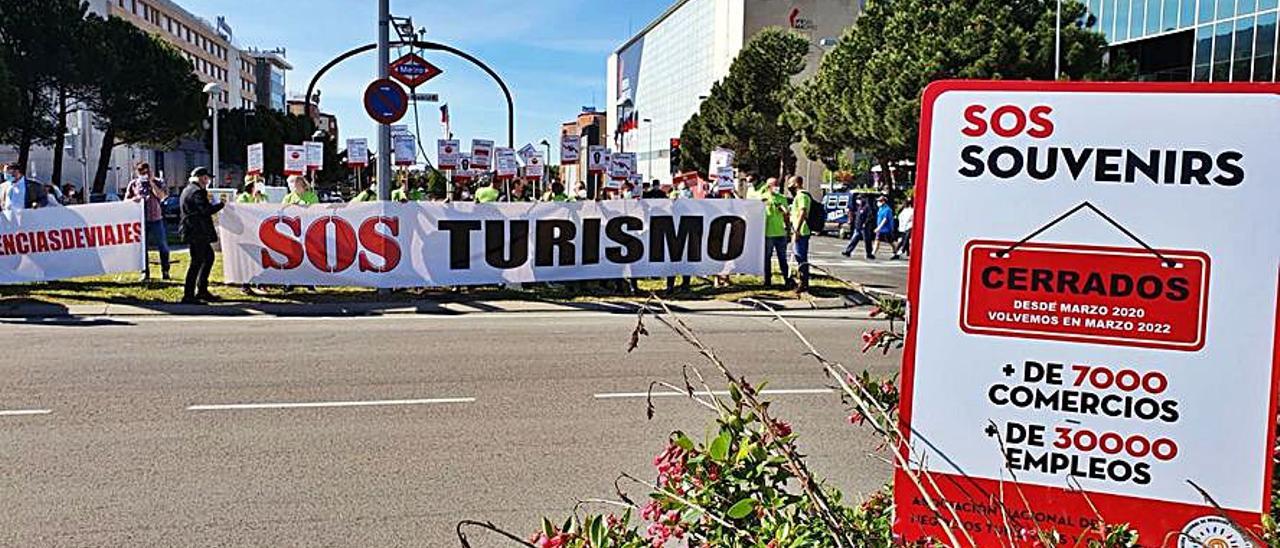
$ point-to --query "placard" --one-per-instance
(569, 149)
(295, 159)
(358, 152)
(406, 149)
(506, 164)
(597, 159)
(447, 151)
(253, 159)
(481, 154)
(534, 165)
(1091, 332)
(315, 154)
(622, 165)
(725, 179)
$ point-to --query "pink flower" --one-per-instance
(857, 418)
(781, 428)
(651, 511)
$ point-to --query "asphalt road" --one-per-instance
(882, 274)
(134, 443)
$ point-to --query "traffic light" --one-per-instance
(675, 156)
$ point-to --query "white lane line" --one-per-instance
(24, 412)
(303, 405)
(668, 394)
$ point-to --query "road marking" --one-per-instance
(668, 394)
(302, 405)
(24, 412)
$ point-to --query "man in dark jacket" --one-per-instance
(862, 218)
(197, 230)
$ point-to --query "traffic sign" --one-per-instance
(385, 101)
(426, 97)
(413, 71)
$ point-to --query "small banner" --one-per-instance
(388, 244)
(57, 243)
(358, 152)
(254, 159)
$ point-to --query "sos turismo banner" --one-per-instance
(1089, 342)
(390, 245)
(67, 242)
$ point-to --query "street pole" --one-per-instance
(1057, 44)
(384, 70)
(546, 169)
(212, 89)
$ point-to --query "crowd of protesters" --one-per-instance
(792, 214)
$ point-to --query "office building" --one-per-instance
(269, 70)
(657, 77)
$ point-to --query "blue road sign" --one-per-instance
(385, 101)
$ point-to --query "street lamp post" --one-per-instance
(211, 89)
(546, 167)
(1057, 43)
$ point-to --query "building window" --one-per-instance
(1264, 60)
(1222, 52)
(1243, 62)
(1206, 11)
(1136, 18)
(1108, 19)
(1226, 8)
(1203, 54)
(1187, 15)
(1153, 17)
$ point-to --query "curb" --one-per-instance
(424, 307)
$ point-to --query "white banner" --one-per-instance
(358, 152)
(430, 244)
(254, 153)
(68, 242)
(569, 148)
(481, 154)
(447, 151)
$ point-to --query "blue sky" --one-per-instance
(551, 53)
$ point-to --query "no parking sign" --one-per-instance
(1094, 311)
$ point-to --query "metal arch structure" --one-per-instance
(434, 46)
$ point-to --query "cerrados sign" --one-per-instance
(424, 244)
(1094, 304)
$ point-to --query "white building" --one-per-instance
(661, 73)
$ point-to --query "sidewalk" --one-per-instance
(43, 309)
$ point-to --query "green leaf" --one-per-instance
(720, 447)
(683, 442)
(547, 528)
(596, 532)
(742, 508)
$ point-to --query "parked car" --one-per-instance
(837, 206)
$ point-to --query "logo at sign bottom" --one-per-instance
(1211, 532)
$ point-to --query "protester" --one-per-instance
(628, 191)
(369, 194)
(682, 192)
(776, 227)
(488, 193)
(556, 194)
(251, 193)
(405, 194)
(151, 191)
(197, 231)
(654, 191)
(906, 220)
(862, 223)
(886, 226)
(17, 193)
(300, 192)
(70, 195)
(801, 205)
(580, 191)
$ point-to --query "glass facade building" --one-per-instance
(1225, 40)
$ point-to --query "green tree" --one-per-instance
(867, 92)
(239, 128)
(39, 43)
(744, 111)
(143, 91)
(9, 114)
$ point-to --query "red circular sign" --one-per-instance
(385, 101)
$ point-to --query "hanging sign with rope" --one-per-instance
(1093, 302)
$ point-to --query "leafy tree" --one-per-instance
(867, 92)
(39, 42)
(143, 91)
(744, 111)
(239, 128)
(9, 114)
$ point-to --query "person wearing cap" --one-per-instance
(197, 231)
(252, 191)
(300, 192)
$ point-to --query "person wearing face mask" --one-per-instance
(628, 191)
(580, 191)
(17, 193)
(198, 231)
(301, 193)
(252, 192)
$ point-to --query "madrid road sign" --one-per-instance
(412, 70)
(385, 101)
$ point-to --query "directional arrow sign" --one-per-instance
(412, 70)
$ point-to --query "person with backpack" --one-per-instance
(806, 213)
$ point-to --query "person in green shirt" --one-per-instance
(556, 193)
(488, 193)
(301, 193)
(369, 194)
(776, 227)
(404, 194)
(801, 231)
(252, 192)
